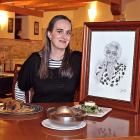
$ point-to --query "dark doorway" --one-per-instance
(18, 24)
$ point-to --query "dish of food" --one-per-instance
(91, 107)
(63, 116)
(93, 110)
(15, 107)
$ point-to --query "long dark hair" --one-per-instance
(66, 69)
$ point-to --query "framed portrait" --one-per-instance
(111, 65)
(36, 28)
(10, 25)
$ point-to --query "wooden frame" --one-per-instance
(36, 28)
(10, 25)
(108, 29)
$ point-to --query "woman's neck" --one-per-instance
(57, 54)
(111, 63)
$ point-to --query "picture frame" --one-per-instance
(10, 25)
(36, 28)
(97, 39)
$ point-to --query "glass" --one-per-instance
(114, 53)
(1, 69)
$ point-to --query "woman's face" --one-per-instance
(111, 54)
(61, 34)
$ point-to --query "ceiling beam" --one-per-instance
(62, 6)
(26, 2)
(19, 10)
(110, 1)
(50, 4)
(37, 2)
(42, 1)
(116, 8)
(61, 9)
(5, 1)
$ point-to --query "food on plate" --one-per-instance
(15, 106)
(90, 107)
(89, 103)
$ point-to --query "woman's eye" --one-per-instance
(114, 53)
(68, 33)
(108, 52)
(59, 31)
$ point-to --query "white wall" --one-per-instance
(103, 13)
(4, 27)
(49, 15)
(32, 19)
(132, 9)
(28, 27)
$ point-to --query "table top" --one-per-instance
(115, 124)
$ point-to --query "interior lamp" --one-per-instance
(3, 17)
(92, 12)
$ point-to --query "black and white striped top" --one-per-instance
(54, 63)
(20, 95)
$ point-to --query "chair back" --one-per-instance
(28, 94)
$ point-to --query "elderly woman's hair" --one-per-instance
(116, 45)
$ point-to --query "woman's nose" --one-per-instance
(64, 36)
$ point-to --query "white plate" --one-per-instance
(101, 114)
(47, 124)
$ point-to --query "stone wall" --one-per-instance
(76, 40)
(22, 49)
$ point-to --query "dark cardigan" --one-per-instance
(54, 89)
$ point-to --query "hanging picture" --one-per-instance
(10, 25)
(36, 28)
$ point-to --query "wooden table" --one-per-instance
(116, 124)
(5, 85)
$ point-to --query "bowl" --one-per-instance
(66, 121)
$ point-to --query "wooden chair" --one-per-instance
(28, 94)
(77, 94)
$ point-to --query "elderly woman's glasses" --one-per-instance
(114, 53)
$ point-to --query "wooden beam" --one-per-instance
(51, 4)
(61, 6)
(27, 2)
(116, 9)
(5, 1)
(19, 10)
(110, 1)
(61, 9)
(42, 1)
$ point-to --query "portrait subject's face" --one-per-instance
(111, 54)
(61, 34)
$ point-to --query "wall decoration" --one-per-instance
(36, 28)
(10, 25)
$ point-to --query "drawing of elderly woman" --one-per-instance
(110, 72)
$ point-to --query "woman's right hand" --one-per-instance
(104, 64)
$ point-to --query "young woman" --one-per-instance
(54, 72)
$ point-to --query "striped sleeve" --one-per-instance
(19, 95)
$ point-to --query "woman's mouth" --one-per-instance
(62, 41)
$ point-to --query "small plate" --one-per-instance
(46, 123)
(101, 114)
